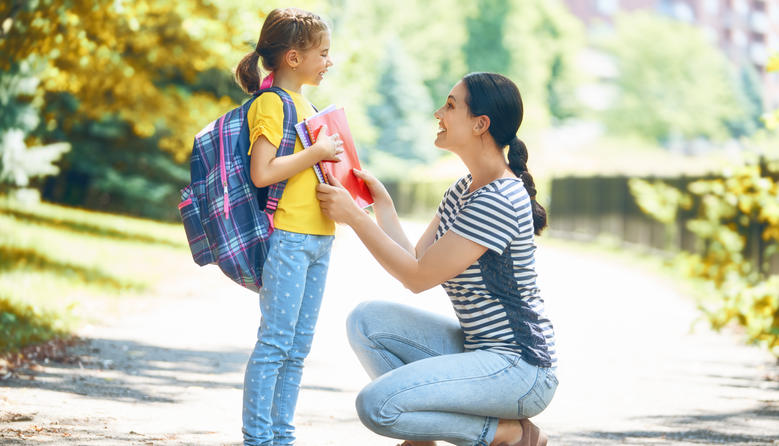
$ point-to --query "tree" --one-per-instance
(484, 50)
(401, 116)
(544, 40)
(122, 80)
(750, 94)
(672, 82)
(20, 104)
(128, 59)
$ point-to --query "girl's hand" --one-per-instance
(336, 202)
(328, 146)
(379, 193)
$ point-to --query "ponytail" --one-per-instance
(517, 156)
(247, 74)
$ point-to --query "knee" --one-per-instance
(371, 408)
(354, 324)
(361, 319)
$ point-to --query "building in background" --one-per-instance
(747, 31)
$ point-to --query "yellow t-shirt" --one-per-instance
(298, 209)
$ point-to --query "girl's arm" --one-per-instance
(442, 260)
(266, 168)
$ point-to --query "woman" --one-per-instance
(476, 382)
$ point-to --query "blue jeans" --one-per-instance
(293, 280)
(426, 387)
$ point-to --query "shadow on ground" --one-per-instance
(132, 371)
(711, 428)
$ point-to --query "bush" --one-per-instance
(737, 225)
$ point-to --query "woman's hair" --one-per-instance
(283, 30)
(498, 98)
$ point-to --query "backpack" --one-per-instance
(227, 219)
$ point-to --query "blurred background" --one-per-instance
(650, 123)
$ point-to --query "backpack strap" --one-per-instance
(286, 147)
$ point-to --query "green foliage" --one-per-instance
(20, 102)
(545, 39)
(23, 324)
(751, 96)
(658, 199)
(401, 116)
(672, 82)
(745, 200)
(485, 50)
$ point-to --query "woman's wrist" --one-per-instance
(358, 219)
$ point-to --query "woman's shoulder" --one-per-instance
(460, 186)
(506, 193)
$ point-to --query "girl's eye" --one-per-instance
(448, 105)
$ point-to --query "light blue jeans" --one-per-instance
(426, 387)
(293, 281)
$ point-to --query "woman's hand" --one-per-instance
(336, 202)
(328, 146)
(381, 197)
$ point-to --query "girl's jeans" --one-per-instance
(293, 281)
(426, 387)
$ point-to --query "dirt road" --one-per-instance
(169, 370)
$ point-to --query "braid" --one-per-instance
(517, 157)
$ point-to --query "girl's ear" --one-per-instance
(481, 124)
(292, 58)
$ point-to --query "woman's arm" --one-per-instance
(266, 168)
(442, 260)
(384, 208)
(428, 237)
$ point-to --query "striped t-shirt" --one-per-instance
(510, 317)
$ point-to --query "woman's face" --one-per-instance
(454, 119)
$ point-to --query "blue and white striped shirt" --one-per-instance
(498, 216)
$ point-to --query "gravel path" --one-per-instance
(170, 370)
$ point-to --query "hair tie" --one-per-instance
(267, 82)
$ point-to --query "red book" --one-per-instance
(335, 120)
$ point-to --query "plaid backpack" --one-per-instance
(227, 219)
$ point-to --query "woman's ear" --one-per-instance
(481, 124)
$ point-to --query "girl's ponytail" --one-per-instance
(247, 74)
(517, 157)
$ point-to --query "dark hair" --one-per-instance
(497, 97)
(283, 29)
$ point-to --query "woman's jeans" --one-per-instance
(426, 387)
(293, 281)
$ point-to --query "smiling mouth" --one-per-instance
(441, 130)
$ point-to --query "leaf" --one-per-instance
(773, 63)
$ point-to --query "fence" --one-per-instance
(593, 207)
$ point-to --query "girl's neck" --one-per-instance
(286, 79)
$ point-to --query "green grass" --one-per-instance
(61, 267)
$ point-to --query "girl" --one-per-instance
(294, 46)
(476, 382)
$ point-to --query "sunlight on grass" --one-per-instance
(60, 266)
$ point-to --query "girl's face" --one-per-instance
(315, 62)
(455, 122)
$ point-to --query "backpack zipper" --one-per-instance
(222, 168)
